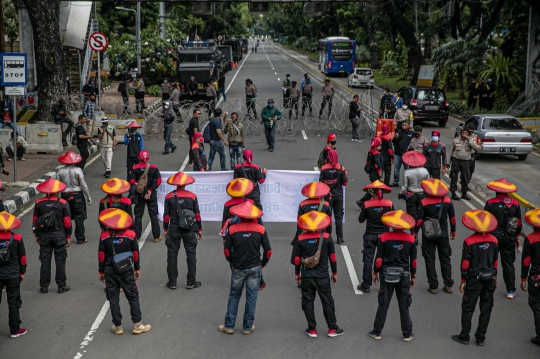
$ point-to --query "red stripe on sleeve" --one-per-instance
(414, 264)
(296, 261)
(226, 252)
(378, 263)
(527, 261)
(67, 222)
(136, 256)
(453, 220)
(465, 264)
(268, 254)
(101, 256)
(132, 182)
(333, 258)
(23, 260)
(158, 181)
(198, 217)
(166, 219)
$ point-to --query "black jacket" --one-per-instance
(498, 207)
(372, 212)
(307, 246)
(252, 172)
(45, 205)
(480, 252)
(154, 178)
(186, 200)
(335, 177)
(17, 262)
(401, 144)
(243, 245)
(124, 241)
(530, 260)
(396, 249)
(429, 208)
(124, 204)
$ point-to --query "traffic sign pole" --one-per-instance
(14, 139)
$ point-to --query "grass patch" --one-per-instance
(391, 82)
(311, 55)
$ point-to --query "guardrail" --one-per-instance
(523, 202)
(534, 128)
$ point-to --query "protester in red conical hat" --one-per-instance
(114, 188)
(413, 176)
(530, 267)
(387, 152)
(254, 173)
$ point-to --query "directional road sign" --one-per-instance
(98, 42)
(14, 69)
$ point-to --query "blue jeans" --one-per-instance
(219, 147)
(252, 278)
(167, 137)
(221, 90)
(2, 125)
(236, 155)
(270, 134)
(397, 167)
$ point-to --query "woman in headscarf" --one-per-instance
(200, 163)
(387, 152)
(253, 172)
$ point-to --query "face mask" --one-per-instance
(435, 138)
(165, 81)
(133, 130)
(418, 134)
(404, 107)
(356, 100)
(270, 105)
(333, 142)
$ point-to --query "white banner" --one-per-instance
(280, 193)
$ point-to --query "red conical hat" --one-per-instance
(413, 158)
(315, 190)
(533, 217)
(377, 185)
(502, 186)
(246, 210)
(115, 218)
(69, 158)
(180, 179)
(51, 186)
(8, 222)
(134, 124)
(434, 187)
(240, 187)
(115, 186)
(479, 221)
(398, 220)
(314, 221)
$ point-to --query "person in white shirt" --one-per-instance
(21, 147)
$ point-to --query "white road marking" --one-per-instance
(26, 211)
(465, 201)
(103, 312)
(278, 79)
(304, 134)
(185, 163)
(316, 168)
(350, 268)
(93, 159)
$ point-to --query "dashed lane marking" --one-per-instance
(304, 134)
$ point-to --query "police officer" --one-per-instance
(314, 278)
(148, 196)
(508, 214)
(135, 144)
(435, 154)
(327, 93)
(430, 207)
(471, 128)
(387, 152)
(294, 97)
(412, 190)
(460, 156)
(54, 239)
(114, 188)
(307, 95)
(478, 273)
(73, 178)
(396, 264)
(482, 95)
(336, 177)
(472, 87)
(182, 222)
(253, 172)
(371, 212)
(12, 269)
(115, 240)
(530, 269)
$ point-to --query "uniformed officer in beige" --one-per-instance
(327, 96)
(460, 157)
(107, 144)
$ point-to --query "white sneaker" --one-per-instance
(352, 139)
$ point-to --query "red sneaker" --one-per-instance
(20, 332)
(312, 333)
(335, 332)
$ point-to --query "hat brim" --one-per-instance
(180, 179)
(533, 217)
(115, 186)
(377, 185)
(239, 187)
(70, 158)
(413, 158)
(398, 220)
(246, 210)
(115, 218)
(315, 190)
(478, 220)
(134, 124)
(314, 221)
(434, 187)
(51, 186)
(501, 187)
(8, 222)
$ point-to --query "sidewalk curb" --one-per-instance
(25, 195)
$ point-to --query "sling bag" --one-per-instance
(511, 222)
(392, 274)
(432, 226)
(5, 253)
(313, 261)
(143, 181)
(186, 217)
(46, 222)
(122, 262)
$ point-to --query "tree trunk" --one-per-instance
(49, 57)
(373, 46)
(407, 31)
(460, 79)
(428, 48)
(393, 38)
(374, 57)
(2, 44)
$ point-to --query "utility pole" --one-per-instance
(416, 16)
(162, 17)
(138, 35)
(2, 44)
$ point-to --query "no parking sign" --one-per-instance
(98, 42)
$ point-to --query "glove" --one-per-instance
(89, 201)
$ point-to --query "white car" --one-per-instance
(362, 76)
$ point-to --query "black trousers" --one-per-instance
(472, 165)
(165, 96)
(190, 153)
(534, 303)
(293, 101)
(310, 287)
(152, 205)
(125, 100)
(130, 163)
(387, 169)
(126, 281)
(173, 246)
(68, 129)
(250, 104)
(14, 302)
(413, 203)
(323, 105)
(471, 103)
(434, 172)
(370, 246)
(307, 101)
(404, 299)
(336, 203)
(48, 245)
(139, 101)
(211, 103)
(441, 245)
(83, 151)
(460, 167)
(20, 152)
(77, 206)
(507, 253)
(476, 289)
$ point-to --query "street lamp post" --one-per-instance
(137, 31)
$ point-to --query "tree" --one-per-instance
(503, 71)
(49, 57)
(11, 22)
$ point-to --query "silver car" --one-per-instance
(500, 134)
(362, 76)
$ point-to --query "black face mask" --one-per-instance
(333, 142)
(133, 130)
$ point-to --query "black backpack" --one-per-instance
(46, 222)
(5, 253)
(122, 87)
(186, 217)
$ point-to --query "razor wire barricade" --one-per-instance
(290, 125)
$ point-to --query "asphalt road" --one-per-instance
(184, 322)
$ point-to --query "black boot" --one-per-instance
(455, 197)
(464, 195)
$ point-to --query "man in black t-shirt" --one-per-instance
(221, 87)
(82, 141)
(354, 113)
(193, 127)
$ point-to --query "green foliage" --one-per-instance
(459, 54)
(154, 90)
(391, 68)
(362, 54)
(457, 108)
(11, 21)
(447, 79)
(503, 71)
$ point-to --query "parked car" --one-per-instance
(426, 103)
(362, 76)
(501, 135)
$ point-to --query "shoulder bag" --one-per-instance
(431, 227)
(511, 222)
(143, 181)
(122, 262)
(186, 217)
(5, 253)
(313, 261)
(46, 222)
